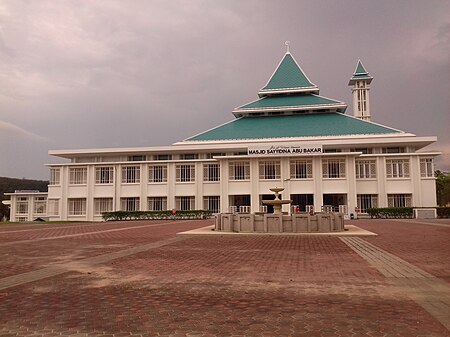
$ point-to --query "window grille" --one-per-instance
(131, 174)
(366, 201)
(104, 175)
(137, 158)
(130, 204)
(212, 203)
(399, 200)
(301, 169)
(365, 169)
(78, 175)
(55, 176)
(397, 168)
(185, 173)
(239, 170)
(157, 203)
(157, 173)
(211, 172)
(426, 167)
(40, 205)
(53, 207)
(102, 205)
(22, 207)
(269, 170)
(77, 206)
(333, 168)
(185, 203)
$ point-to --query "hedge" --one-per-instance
(391, 212)
(443, 212)
(160, 215)
(403, 212)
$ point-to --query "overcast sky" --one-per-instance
(90, 74)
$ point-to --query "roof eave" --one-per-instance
(266, 92)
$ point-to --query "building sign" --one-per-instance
(284, 150)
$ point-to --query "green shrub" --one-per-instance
(443, 212)
(391, 212)
(156, 215)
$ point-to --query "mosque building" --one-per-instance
(290, 137)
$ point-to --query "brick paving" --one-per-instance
(217, 286)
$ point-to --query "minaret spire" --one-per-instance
(360, 82)
(287, 43)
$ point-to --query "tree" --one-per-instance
(442, 188)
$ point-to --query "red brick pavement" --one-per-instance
(425, 246)
(217, 286)
(27, 256)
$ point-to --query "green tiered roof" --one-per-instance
(291, 107)
(360, 74)
(289, 101)
(309, 125)
(288, 76)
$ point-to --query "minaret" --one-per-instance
(360, 83)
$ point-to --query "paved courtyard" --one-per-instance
(140, 279)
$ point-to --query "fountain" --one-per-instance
(277, 203)
(277, 222)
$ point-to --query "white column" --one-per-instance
(318, 183)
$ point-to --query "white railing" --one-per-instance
(310, 208)
(233, 209)
(244, 209)
(263, 209)
(327, 208)
(343, 209)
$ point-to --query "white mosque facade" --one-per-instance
(290, 137)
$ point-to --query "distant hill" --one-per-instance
(8, 185)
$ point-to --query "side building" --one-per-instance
(289, 137)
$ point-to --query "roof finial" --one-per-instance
(287, 43)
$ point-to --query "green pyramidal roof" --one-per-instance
(288, 77)
(360, 74)
(308, 125)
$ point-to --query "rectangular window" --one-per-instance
(397, 168)
(212, 203)
(102, 205)
(53, 207)
(239, 170)
(393, 149)
(55, 176)
(130, 204)
(162, 157)
(40, 205)
(185, 173)
(77, 206)
(211, 172)
(189, 156)
(77, 175)
(365, 169)
(214, 154)
(426, 167)
(365, 201)
(104, 175)
(157, 203)
(137, 158)
(131, 174)
(269, 170)
(157, 173)
(301, 169)
(333, 168)
(22, 207)
(399, 200)
(185, 203)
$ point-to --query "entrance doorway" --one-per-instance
(301, 200)
(334, 200)
(237, 201)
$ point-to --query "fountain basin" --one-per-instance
(279, 223)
